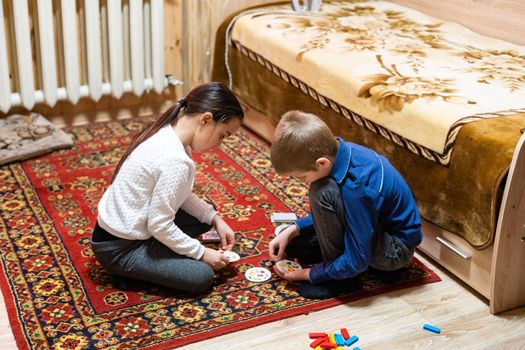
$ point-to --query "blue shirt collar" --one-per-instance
(342, 161)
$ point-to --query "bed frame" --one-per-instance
(496, 271)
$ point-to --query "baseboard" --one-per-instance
(95, 116)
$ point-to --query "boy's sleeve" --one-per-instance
(304, 223)
(361, 214)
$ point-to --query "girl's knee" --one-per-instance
(202, 279)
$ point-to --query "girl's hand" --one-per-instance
(278, 244)
(215, 259)
(225, 232)
(299, 275)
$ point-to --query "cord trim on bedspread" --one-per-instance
(418, 149)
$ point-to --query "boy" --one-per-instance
(362, 211)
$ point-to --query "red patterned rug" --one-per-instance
(59, 297)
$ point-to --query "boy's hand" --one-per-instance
(215, 259)
(298, 275)
(225, 233)
(278, 245)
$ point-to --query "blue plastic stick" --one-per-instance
(351, 340)
(339, 339)
(431, 328)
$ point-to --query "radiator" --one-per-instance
(56, 50)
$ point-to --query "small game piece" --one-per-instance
(283, 217)
(317, 335)
(332, 339)
(287, 266)
(328, 345)
(431, 328)
(344, 333)
(351, 340)
(280, 229)
(258, 274)
(231, 256)
(210, 237)
(339, 340)
(317, 342)
(328, 342)
(357, 348)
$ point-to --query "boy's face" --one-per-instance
(323, 169)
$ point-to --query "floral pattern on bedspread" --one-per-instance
(418, 78)
(390, 92)
(506, 66)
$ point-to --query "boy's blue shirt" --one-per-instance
(374, 195)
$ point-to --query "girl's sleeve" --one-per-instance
(166, 197)
(197, 207)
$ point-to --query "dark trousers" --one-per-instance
(325, 240)
(151, 261)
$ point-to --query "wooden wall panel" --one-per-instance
(501, 19)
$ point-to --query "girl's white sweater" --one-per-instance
(152, 184)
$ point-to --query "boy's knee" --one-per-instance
(325, 194)
(391, 255)
(323, 185)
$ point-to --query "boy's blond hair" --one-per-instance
(300, 139)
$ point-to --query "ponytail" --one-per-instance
(166, 118)
(215, 98)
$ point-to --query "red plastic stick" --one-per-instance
(317, 342)
(317, 335)
(344, 333)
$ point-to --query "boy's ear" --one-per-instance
(323, 162)
(205, 118)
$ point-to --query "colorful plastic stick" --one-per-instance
(352, 340)
(344, 333)
(431, 328)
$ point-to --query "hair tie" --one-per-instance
(182, 102)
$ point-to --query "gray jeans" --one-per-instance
(327, 208)
(151, 261)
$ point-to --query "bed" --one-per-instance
(444, 104)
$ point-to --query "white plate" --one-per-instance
(258, 274)
(231, 256)
(287, 266)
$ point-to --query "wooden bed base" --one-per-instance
(495, 272)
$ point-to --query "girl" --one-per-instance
(148, 217)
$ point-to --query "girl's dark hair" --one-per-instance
(215, 98)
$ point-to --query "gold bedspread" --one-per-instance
(462, 197)
(411, 78)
